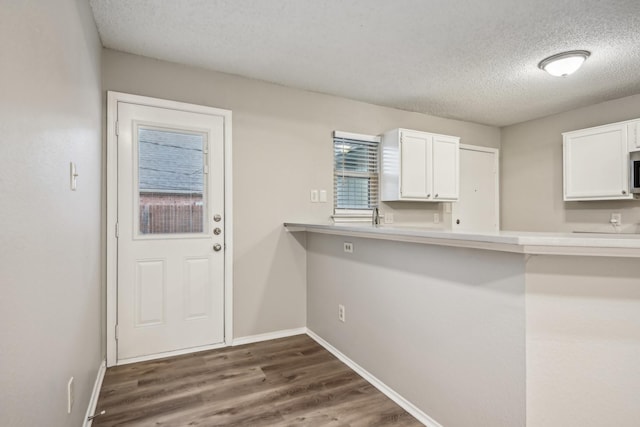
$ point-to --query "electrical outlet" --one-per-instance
(616, 218)
(348, 247)
(71, 389)
(341, 313)
(436, 218)
(388, 217)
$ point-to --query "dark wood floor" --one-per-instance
(286, 382)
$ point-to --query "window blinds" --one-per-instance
(355, 183)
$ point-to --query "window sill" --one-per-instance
(351, 217)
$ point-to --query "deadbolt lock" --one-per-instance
(217, 247)
(217, 218)
(217, 231)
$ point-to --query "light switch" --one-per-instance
(314, 196)
(323, 196)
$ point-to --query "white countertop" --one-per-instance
(535, 243)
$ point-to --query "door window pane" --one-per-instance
(171, 181)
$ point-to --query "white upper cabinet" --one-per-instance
(415, 155)
(596, 163)
(446, 169)
(419, 166)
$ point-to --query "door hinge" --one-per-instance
(117, 128)
(117, 332)
(117, 230)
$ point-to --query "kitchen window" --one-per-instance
(355, 175)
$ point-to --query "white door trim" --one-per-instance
(496, 152)
(112, 209)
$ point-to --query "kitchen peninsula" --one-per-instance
(520, 329)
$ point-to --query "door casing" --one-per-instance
(112, 211)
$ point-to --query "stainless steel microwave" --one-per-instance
(635, 171)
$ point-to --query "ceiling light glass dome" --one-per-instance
(564, 64)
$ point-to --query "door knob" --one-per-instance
(217, 231)
(217, 218)
(217, 247)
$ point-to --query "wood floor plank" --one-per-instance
(286, 382)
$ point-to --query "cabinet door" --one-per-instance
(415, 155)
(596, 164)
(446, 158)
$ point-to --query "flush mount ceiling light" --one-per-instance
(564, 63)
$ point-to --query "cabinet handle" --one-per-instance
(624, 192)
(436, 196)
(428, 195)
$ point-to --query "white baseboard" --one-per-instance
(386, 390)
(93, 401)
(268, 336)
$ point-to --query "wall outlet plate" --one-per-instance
(323, 196)
(388, 217)
(348, 247)
(436, 218)
(341, 313)
(314, 196)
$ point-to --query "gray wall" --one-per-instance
(449, 339)
(282, 148)
(583, 341)
(50, 243)
(531, 173)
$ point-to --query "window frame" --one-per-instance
(355, 215)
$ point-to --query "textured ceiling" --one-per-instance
(465, 59)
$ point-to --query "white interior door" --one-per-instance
(170, 273)
(477, 208)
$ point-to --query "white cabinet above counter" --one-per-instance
(419, 166)
(596, 161)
